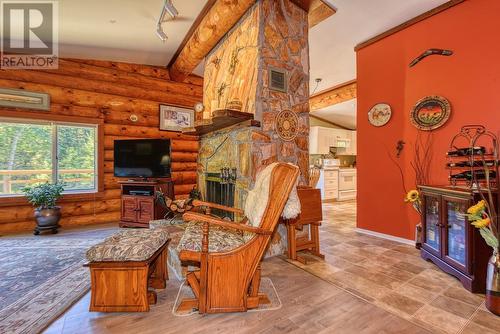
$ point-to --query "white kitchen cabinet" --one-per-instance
(352, 149)
(329, 184)
(321, 139)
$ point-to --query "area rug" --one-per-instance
(42, 276)
(266, 286)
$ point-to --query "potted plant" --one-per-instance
(483, 216)
(44, 197)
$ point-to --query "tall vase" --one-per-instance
(493, 285)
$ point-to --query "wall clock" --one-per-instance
(430, 113)
(287, 125)
(380, 114)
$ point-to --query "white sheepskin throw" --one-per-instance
(257, 199)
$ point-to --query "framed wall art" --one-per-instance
(380, 114)
(430, 113)
(19, 98)
(175, 118)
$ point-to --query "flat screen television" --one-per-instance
(142, 158)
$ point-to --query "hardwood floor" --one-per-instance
(310, 305)
(344, 294)
(394, 277)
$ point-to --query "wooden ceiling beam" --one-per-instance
(334, 95)
(319, 11)
(331, 123)
(217, 18)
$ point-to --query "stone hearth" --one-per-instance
(271, 35)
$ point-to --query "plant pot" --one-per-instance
(493, 285)
(47, 219)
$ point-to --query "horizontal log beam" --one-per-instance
(60, 109)
(146, 70)
(111, 75)
(10, 214)
(143, 132)
(83, 98)
(332, 96)
(175, 144)
(119, 89)
(175, 167)
(184, 156)
(213, 25)
(66, 221)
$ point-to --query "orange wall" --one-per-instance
(470, 80)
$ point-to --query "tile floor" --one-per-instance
(393, 277)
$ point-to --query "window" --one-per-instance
(33, 152)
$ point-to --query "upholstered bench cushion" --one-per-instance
(128, 245)
(220, 239)
(161, 223)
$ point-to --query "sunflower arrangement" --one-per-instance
(413, 197)
(479, 217)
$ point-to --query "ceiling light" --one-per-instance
(160, 33)
(168, 7)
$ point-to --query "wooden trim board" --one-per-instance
(408, 23)
(386, 236)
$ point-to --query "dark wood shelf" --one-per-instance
(222, 119)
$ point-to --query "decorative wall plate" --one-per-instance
(430, 113)
(380, 114)
(287, 125)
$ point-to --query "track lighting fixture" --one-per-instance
(168, 7)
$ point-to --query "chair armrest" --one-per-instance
(217, 206)
(190, 216)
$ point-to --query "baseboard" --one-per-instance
(386, 236)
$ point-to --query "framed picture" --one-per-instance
(175, 118)
(430, 113)
(19, 98)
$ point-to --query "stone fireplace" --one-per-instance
(272, 35)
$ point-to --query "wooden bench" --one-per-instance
(124, 266)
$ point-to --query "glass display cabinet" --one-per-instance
(449, 240)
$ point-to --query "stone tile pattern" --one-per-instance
(235, 148)
(233, 65)
(392, 276)
(284, 44)
(271, 34)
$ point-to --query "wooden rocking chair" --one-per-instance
(229, 278)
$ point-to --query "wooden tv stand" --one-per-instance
(137, 209)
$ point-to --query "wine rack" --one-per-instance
(473, 158)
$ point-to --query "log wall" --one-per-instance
(111, 91)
